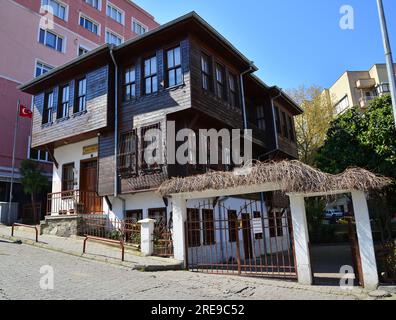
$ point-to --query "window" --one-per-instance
(159, 215)
(234, 101)
(220, 88)
(128, 153)
(383, 88)
(284, 125)
(133, 216)
(275, 224)
(112, 38)
(63, 105)
(48, 106)
(93, 3)
(38, 155)
(150, 75)
(82, 51)
(113, 12)
(68, 177)
(277, 121)
(342, 105)
(81, 97)
(206, 72)
(173, 59)
(41, 68)
(260, 118)
(291, 129)
(89, 25)
(57, 8)
(138, 27)
(194, 228)
(51, 40)
(208, 227)
(129, 88)
(146, 142)
(232, 226)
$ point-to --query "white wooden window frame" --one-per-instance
(112, 5)
(84, 16)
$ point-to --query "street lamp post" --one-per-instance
(388, 56)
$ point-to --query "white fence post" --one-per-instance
(179, 211)
(147, 236)
(365, 239)
(301, 239)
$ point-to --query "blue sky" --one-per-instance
(292, 42)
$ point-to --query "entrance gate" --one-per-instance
(241, 239)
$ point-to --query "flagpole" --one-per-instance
(13, 162)
(388, 55)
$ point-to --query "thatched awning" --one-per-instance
(290, 176)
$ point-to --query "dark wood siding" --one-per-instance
(95, 117)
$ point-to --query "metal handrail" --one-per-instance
(26, 226)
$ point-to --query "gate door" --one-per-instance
(240, 239)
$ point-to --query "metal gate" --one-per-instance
(241, 239)
(163, 243)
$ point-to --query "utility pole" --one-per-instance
(388, 56)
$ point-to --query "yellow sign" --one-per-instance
(90, 149)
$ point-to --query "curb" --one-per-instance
(87, 256)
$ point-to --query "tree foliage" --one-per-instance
(313, 124)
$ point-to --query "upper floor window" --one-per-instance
(82, 50)
(56, 8)
(220, 81)
(81, 97)
(129, 90)
(206, 72)
(94, 3)
(284, 125)
(115, 13)
(41, 68)
(112, 38)
(291, 129)
(68, 177)
(175, 76)
(260, 118)
(138, 27)
(48, 107)
(51, 40)
(63, 105)
(36, 154)
(277, 121)
(342, 105)
(89, 24)
(150, 75)
(234, 101)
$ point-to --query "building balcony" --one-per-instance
(74, 202)
(364, 101)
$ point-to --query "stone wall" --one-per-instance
(61, 226)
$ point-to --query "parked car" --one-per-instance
(333, 213)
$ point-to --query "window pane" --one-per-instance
(147, 67)
(170, 59)
(42, 36)
(155, 84)
(153, 65)
(179, 77)
(172, 79)
(60, 44)
(148, 86)
(51, 40)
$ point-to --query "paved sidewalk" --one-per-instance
(94, 250)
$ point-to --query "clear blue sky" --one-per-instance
(292, 42)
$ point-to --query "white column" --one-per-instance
(147, 236)
(179, 212)
(301, 239)
(365, 239)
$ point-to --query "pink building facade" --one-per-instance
(38, 35)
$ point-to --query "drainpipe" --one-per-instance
(115, 124)
(251, 68)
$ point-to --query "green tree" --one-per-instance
(33, 181)
(313, 124)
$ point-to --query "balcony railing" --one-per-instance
(74, 202)
(364, 101)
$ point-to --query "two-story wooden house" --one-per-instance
(91, 115)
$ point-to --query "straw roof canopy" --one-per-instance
(291, 176)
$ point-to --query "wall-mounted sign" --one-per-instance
(257, 226)
(90, 149)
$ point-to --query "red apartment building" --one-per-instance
(38, 35)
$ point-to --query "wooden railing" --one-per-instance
(74, 202)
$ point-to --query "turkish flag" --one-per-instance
(25, 112)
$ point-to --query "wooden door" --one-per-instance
(88, 187)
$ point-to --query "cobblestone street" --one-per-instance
(79, 278)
